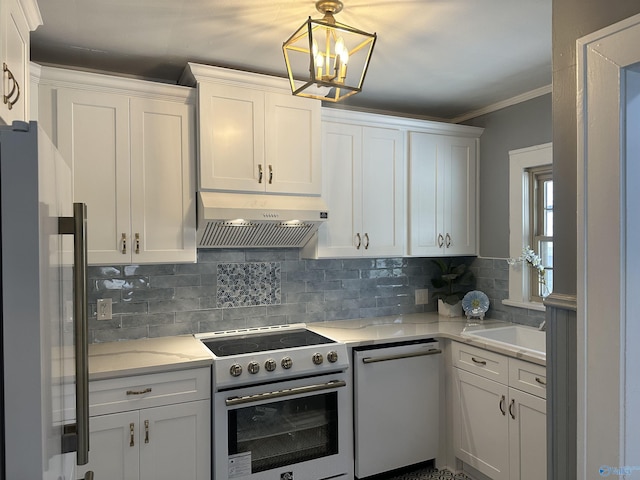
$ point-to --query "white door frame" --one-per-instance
(608, 363)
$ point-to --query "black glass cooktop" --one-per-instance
(258, 342)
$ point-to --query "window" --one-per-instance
(530, 222)
(541, 215)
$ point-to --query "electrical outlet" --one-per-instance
(103, 309)
(422, 296)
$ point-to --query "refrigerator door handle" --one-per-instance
(77, 226)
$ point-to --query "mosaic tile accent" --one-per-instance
(248, 284)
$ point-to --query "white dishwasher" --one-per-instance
(396, 405)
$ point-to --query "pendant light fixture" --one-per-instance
(325, 59)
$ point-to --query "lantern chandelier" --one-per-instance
(325, 59)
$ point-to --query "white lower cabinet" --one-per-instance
(499, 414)
(139, 441)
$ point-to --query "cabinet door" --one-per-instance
(163, 216)
(231, 123)
(114, 444)
(460, 196)
(481, 424)
(426, 194)
(93, 134)
(175, 442)
(342, 190)
(14, 50)
(527, 436)
(292, 142)
(383, 218)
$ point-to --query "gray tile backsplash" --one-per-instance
(228, 289)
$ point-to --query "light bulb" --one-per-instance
(340, 46)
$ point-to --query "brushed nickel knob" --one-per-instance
(270, 365)
(332, 356)
(286, 363)
(253, 367)
(317, 359)
(235, 370)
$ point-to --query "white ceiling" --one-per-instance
(433, 58)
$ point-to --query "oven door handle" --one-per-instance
(231, 401)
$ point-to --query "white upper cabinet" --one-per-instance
(254, 136)
(442, 194)
(17, 19)
(133, 160)
(363, 185)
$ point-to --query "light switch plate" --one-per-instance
(103, 309)
(422, 296)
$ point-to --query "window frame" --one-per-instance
(537, 177)
(520, 161)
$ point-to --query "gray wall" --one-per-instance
(518, 126)
(572, 19)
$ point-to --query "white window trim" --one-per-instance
(519, 161)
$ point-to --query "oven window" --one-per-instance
(285, 432)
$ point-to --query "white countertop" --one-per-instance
(153, 355)
(148, 355)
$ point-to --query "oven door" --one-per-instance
(299, 429)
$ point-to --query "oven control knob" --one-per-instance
(317, 359)
(332, 356)
(286, 363)
(235, 370)
(270, 365)
(253, 367)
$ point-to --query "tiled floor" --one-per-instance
(426, 473)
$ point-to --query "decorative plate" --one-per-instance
(475, 304)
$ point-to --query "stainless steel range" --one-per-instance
(281, 408)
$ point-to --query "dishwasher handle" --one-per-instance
(386, 358)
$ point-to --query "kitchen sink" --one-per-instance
(518, 336)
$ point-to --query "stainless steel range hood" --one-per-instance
(238, 220)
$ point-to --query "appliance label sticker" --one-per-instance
(240, 465)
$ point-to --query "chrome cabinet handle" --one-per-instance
(359, 244)
(511, 405)
(479, 362)
(541, 381)
(270, 174)
(501, 405)
(15, 89)
(260, 173)
(366, 238)
(448, 240)
(124, 243)
(146, 431)
(132, 435)
(137, 243)
(440, 240)
(139, 392)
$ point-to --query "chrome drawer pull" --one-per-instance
(479, 362)
(139, 392)
(541, 381)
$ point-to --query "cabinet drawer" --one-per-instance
(481, 362)
(153, 390)
(528, 377)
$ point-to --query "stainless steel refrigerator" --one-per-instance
(44, 314)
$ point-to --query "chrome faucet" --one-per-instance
(543, 326)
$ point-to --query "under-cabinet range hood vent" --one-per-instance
(238, 220)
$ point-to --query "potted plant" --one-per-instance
(451, 284)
